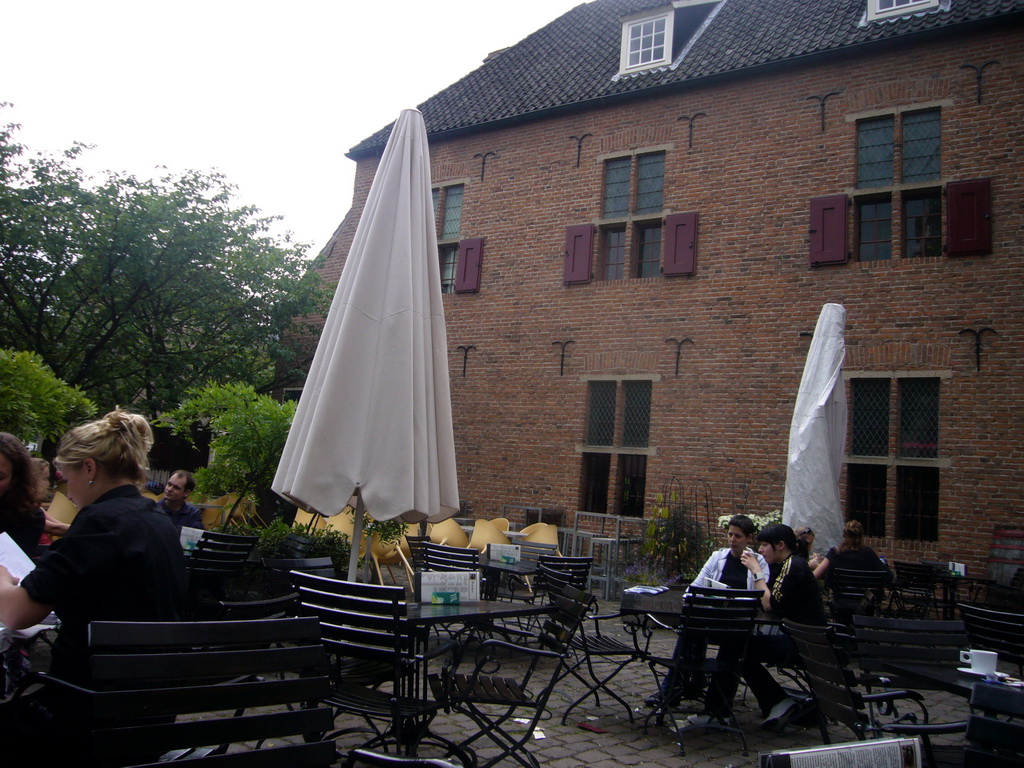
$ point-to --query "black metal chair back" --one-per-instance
(440, 557)
(881, 640)
(535, 550)
(270, 608)
(216, 558)
(148, 675)
(995, 729)
(295, 545)
(913, 592)
(277, 571)
(995, 630)
(854, 592)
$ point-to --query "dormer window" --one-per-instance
(884, 9)
(656, 37)
(647, 42)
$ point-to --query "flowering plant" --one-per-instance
(761, 521)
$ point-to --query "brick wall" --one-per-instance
(758, 156)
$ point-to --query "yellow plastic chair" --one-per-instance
(486, 533)
(450, 533)
(544, 533)
(153, 496)
(212, 517)
(501, 523)
(386, 555)
(62, 508)
(310, 521)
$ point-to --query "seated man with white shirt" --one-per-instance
(725, 567)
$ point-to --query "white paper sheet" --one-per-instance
(13, 558)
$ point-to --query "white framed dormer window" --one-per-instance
(646, 41)
(884, 9)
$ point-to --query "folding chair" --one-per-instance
(216, 558)
(147, 675)
(913, 593)
(995, 729)
(836, 693)
(922, 641)
(379, 673)
(854, 592)
(996, 630)
(721, 621)
(492, 699)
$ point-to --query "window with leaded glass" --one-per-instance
(914, 453)
(601, 413)
(596, 471)
(616, 186)
(865, 496)
(648, 250)
(922, 225)
(451, 223)
(869, 417)
(615, 253)
(875, 152)
(874, 230)
(650, 186)
(636, 413)
(919, 418)
(922, 147)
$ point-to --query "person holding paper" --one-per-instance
(723, 567)
(121, 561)
(789, 591)
(20, 514)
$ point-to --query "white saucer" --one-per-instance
(969, 671)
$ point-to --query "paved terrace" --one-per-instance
(625, 744)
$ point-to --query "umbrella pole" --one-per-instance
(357, 535)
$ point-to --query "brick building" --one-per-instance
(642, 208)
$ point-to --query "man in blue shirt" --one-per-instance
(174, 503)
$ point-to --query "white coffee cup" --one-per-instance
(981, 662)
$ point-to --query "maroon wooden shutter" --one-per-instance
(680, 244)
(828, 230)
(969, 217)
(579, 242)
(467, 272)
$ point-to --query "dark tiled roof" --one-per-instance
(575, 58)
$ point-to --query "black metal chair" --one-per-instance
(995, 730)
(723, 621)
(379, 672)
(913, 592)
(492, 699)
(996, 630)
(441, 557)
(856, 593)
(881, 640)
(295, 545)
(148, 674)
(216, 558)
(270, 608)
(277, 571)
(836, 693)
(600, 655)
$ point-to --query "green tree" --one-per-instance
(136, 290)
(248, 435)
(34, 403)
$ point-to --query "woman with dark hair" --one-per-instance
(20, 514)
(789, 591)
(851, 553)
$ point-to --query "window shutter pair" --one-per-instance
(968, 222)
(679, 258)
(467, 274)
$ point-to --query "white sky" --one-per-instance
(271, 94)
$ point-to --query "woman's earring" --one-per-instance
(91, 482)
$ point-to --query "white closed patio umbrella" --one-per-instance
(818, 434)
(375, 418)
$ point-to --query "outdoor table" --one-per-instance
(477, 611)
(942, 677)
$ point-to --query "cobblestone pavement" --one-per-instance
(622, 743)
